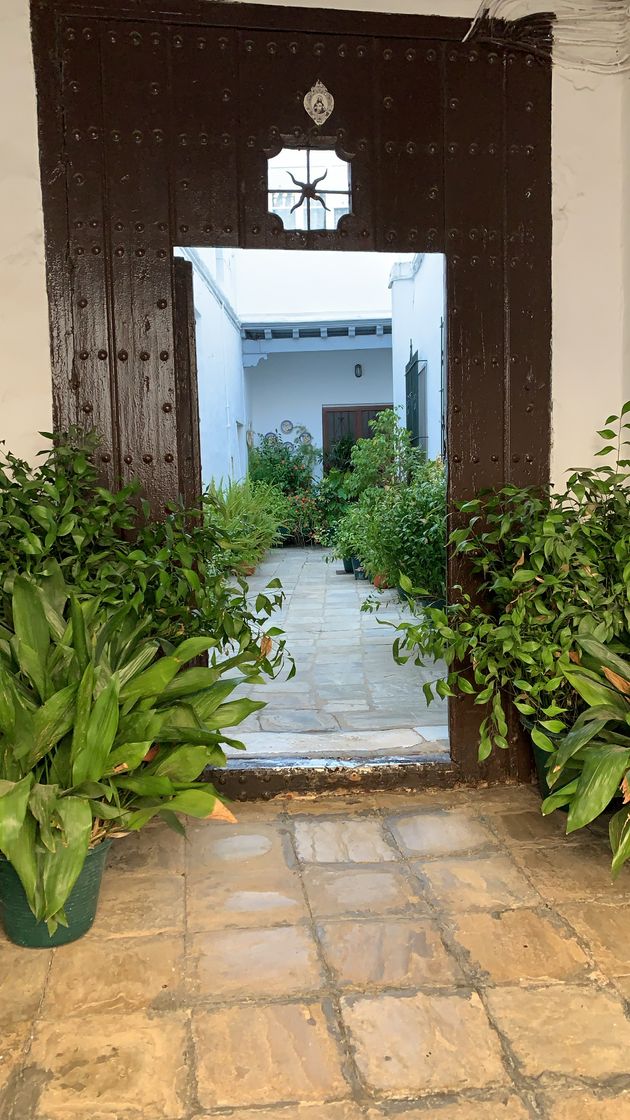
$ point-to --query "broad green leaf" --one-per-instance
(53, 591)
(83, 712)
(137, 663)
(151, 682)
(207, 702)
(32, 667)
(31, 627)
(619, 831)
(14, 797)
(577, 738)
(43, 804)
(543, 741)
(485, 748)
(188, 682)
(201, 803)
(599, 781)
(60, 870)
(8, 701)
(232, 713)
(146, 785)
(559, 798)
(173, 822)
(50, 723)
(192, 647)
(128, 755)
(17, 834)
(590, 688)
(90, 758)
(186, 763)
(79, 638)
(194, 736)
(465, 686)
(523, 575)
(604, 656)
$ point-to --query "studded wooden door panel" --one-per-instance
(156, 123)
(186, 388)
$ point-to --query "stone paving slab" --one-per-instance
(348, 744)
(347, 680)
(442, 1042)
(334, 958)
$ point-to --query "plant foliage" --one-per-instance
(591, 764)
(290, 468)
(98, 735)
(551, 567)
(179, 569)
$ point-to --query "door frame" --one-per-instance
(452, 149)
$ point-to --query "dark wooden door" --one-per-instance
(347, 425)
(186, 389)
(156, 124)
(416, 399)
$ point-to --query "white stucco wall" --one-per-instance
(591, 271)
(223, 410)
(25, 389)
(288, 387)
(418, 307)
(273, 284)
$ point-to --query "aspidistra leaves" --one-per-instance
(89, 758)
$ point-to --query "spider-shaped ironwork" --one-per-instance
(309, 190)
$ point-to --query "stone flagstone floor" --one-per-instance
(349, 697)
(426, 957)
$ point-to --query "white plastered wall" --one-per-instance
(591, 260)
(25, 390)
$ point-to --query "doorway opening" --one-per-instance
(322, 377)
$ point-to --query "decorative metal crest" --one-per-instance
(319, 103)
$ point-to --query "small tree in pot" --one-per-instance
(97, 737)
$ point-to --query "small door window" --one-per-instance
(309, 189)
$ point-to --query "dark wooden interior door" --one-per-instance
(348, 424)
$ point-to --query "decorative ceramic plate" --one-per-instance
(287, 443)
(272, 437)
(306, 437)
(286, 426)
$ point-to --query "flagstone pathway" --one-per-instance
(348, 698)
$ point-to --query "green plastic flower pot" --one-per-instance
(357, 567)
(21, 925)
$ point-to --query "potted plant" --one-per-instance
(550, 567)
(97, 737)
(347, 538)
(588, 772)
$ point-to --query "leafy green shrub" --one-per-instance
(551, 567)
(289, 468)
(349, 533)
(304, 518)
(591, 764)
(405, 530)
(107, 544)
(339, 455)
(245, 516)
(331, 496)
(58, 510)
(386, 459)
(97, 736)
